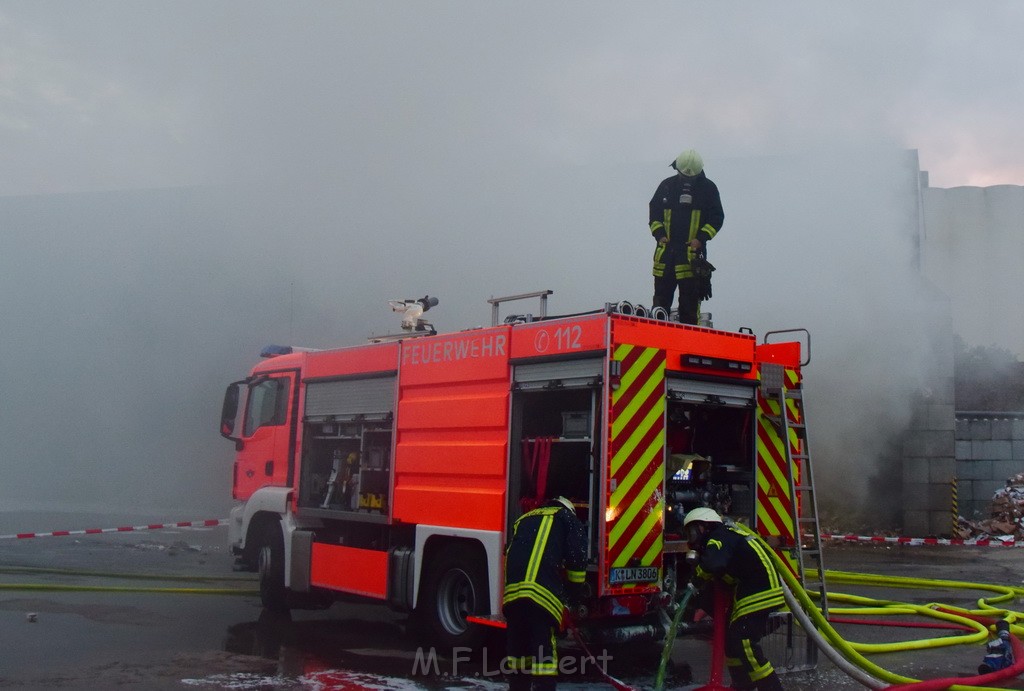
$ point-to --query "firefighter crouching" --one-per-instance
(544, 541)
(727, 554)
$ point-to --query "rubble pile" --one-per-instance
(1007, 516)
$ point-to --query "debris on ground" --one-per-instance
(1006, 519)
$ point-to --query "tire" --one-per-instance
(270, 567)
(454, 587)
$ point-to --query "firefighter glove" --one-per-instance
(702, 269)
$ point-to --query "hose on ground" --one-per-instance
(56, 587)
(17, 570)
(670, 637)
(813, 619)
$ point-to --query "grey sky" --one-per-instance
(116, 95)
(324, 157)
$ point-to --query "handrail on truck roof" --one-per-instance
(542, 294)
(790, 331)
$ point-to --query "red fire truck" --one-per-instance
(394, 470)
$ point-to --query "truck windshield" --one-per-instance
(268, 405)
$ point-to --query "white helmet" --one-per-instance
(704, 515)
(566, 503)
(689, 163)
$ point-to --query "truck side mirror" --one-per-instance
(230, 409)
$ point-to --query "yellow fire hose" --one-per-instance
(807, 609)
(59, 587)
(55, 587)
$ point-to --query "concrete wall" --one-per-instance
(929, 465)
(989, 449)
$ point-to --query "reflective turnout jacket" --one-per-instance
(681, 211)
(743, 563)
(544, 541)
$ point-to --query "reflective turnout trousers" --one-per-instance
(689, 295)
(532, 651)
(748, 666)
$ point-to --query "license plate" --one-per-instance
(638, 574)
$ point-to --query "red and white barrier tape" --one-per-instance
(125, 529)
(1007, 541)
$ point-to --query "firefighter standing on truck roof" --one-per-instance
(685, 212)
(741, 562)
(543, 542)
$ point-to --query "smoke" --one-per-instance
(827, 241)
(291, 171)
(129, 312)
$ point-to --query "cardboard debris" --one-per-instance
(1007, 515)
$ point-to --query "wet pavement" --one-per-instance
(195, 640)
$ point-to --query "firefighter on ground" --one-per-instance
(546, 542)
(740, 561)
(685, 212)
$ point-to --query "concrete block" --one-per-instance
(975, 510)
(940, 496)
(1017, 446)
(963, 428)
(915, 523)
(928, 443)
(915, 470)
(1002, 429)
(915, 496)
(965, 493)
(984, 489)
(1018, 428)
(942, 469)
(962, 449)
(918, 416)
(1003, 470)
(940, 523)
(974, 470)
(941, 417)
(992, 450)
(980, 429)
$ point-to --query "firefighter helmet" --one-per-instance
(566, 503)
(704, 515)
(689, 163)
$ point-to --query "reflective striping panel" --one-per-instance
(774, 502)
(636, 508)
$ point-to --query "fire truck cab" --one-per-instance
(394, 470)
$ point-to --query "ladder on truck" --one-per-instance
(807, 550)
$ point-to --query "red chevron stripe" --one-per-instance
(645, 443)
(765, 506)
(769, 443)
(645, 374)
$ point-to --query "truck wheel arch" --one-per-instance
(454, 584)
(430, 540)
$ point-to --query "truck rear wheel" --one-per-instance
(454, 587)
(270, 566)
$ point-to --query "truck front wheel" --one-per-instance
(270, 566)
(454, 587)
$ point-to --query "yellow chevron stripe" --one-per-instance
(629, 376)
(778, 477)
(628, 447)
(641, 397)
(654, 551)
(650, 455)
(645, 529)
(766, 521)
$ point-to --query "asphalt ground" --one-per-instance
(169, 640)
